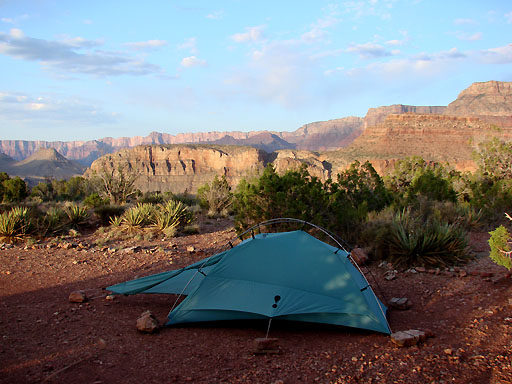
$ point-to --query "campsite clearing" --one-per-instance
(45, 337)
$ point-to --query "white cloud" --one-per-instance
(189, 44)
(464, 22)
(469, 37)
(25, 108)
(216, 15)
(499, 55)
(192, 61)
(319, 29)
(7, 20)
(68, 57)
(508, 17)
(147, 45)
(369, 50)
(252, 34)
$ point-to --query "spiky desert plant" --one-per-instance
(52, 222)
(414, 242)
(138, 217)
(15, 224)
(170, 216)
(76, 214)
(115, 221)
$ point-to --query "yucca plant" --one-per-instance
(76, 214)
(170, 216)
(431, 243)
(15, 224)
(116, 221)
(52, 221)
(138, 217)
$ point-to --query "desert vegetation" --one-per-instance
(419, 213)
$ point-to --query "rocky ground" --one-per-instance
(45, 338)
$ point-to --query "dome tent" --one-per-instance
(284, 275)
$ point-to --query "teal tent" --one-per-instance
(287, 276)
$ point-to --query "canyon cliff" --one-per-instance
(442, 134)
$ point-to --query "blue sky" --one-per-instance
(82, 70)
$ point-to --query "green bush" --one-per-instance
(170, 216)
(106, 212)
(216, 197)
(94, 200)
(151, 198)
(15, 190)
(500, 244)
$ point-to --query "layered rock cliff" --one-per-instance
(182, 168)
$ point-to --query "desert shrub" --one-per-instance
(106, 212)
(413, 177)
(14, 190)
(44, 191)
(15, 224)
(76, 215)
(115, 184)
(94, 200)
(340, 206)
(500, 244)
(412, 241)
(185, 197)
(216, 197)
(115, 221)
(151, 198)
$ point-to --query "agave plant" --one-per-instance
(52, 222)
(15, 224)
(138, 217)
(77, 215)
(116, 221)
(170, 216)
(431, 243)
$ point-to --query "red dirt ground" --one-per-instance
(47, 339)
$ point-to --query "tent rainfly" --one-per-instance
(285, 276)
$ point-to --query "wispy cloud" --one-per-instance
(189, 44)
(469, 36)
(192, 61)
(498, 55)
(508, 17)
(69, 56)
(22, 107)
(370, 50)
(215, 15)
(147, 45)
(464, 22)
(319, 29)
(251, 34)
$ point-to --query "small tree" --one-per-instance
(216, 197)
(500, 243)
(15, 190)
(116, 184)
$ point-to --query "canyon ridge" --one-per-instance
(183, 162)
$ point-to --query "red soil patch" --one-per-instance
(46, 338)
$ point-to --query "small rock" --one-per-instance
(401, 303)
(448, 351)
(420, 269)
(408, 338)
(77, 297)
(147, 323)
(110, 297)
(266, 346)
(390, 275)
(462, 273)
(190, 248)
(359, 255)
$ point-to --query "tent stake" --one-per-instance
(268, 328)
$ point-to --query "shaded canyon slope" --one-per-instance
(445, 134)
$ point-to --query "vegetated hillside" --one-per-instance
(45, 163)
